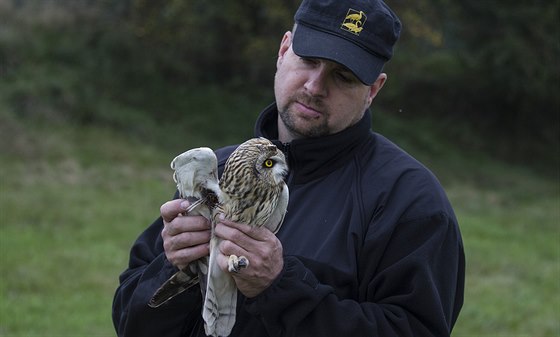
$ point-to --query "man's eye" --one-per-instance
(309, 61)
(344, 77)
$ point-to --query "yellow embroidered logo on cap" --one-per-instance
(354, 21)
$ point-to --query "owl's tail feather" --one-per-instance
(220, 302)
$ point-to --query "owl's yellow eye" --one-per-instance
(268, 163)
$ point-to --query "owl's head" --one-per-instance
(270, 161)
(258, 158)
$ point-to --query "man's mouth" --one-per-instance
(308, 111)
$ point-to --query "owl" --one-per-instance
(251, 191)
(196, 175)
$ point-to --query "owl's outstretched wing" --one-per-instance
(195, 172)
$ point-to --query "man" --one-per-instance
(369, 246)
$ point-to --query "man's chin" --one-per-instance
(304, 125)
(310, 131)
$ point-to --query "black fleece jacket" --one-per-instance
(371, 248)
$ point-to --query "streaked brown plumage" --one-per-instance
(252, 191)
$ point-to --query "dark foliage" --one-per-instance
(487, 71)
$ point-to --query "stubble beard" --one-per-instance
(301, 127)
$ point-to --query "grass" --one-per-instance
(73, 199)
(512, 247)
(70, 204)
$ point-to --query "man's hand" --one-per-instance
(185, 238)
(260, 246)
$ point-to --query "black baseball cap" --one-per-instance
(359, 34)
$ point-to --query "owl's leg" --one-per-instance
(194, 203)
(235, 264)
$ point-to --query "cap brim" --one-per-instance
(308, 42)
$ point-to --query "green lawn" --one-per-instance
(72, 201)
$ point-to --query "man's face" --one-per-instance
(316, 97)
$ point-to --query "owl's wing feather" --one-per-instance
(277, 217)
(178, 283)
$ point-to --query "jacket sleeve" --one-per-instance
(411, 284)
(148, 269)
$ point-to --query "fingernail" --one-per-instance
(185, 205)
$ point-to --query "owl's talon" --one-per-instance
(243, 262)
(235, 264)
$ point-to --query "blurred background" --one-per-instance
(97, 97)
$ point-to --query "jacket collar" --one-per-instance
(312, 158)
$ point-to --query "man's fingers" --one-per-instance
(185, 237)
(183, 224)
(181, 258)
(175, 223)
(257, 233)
(231, 235)
(187, 240)
(171, 209)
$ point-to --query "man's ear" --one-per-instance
(376, 86)
(284, 46)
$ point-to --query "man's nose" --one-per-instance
(316, 84)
